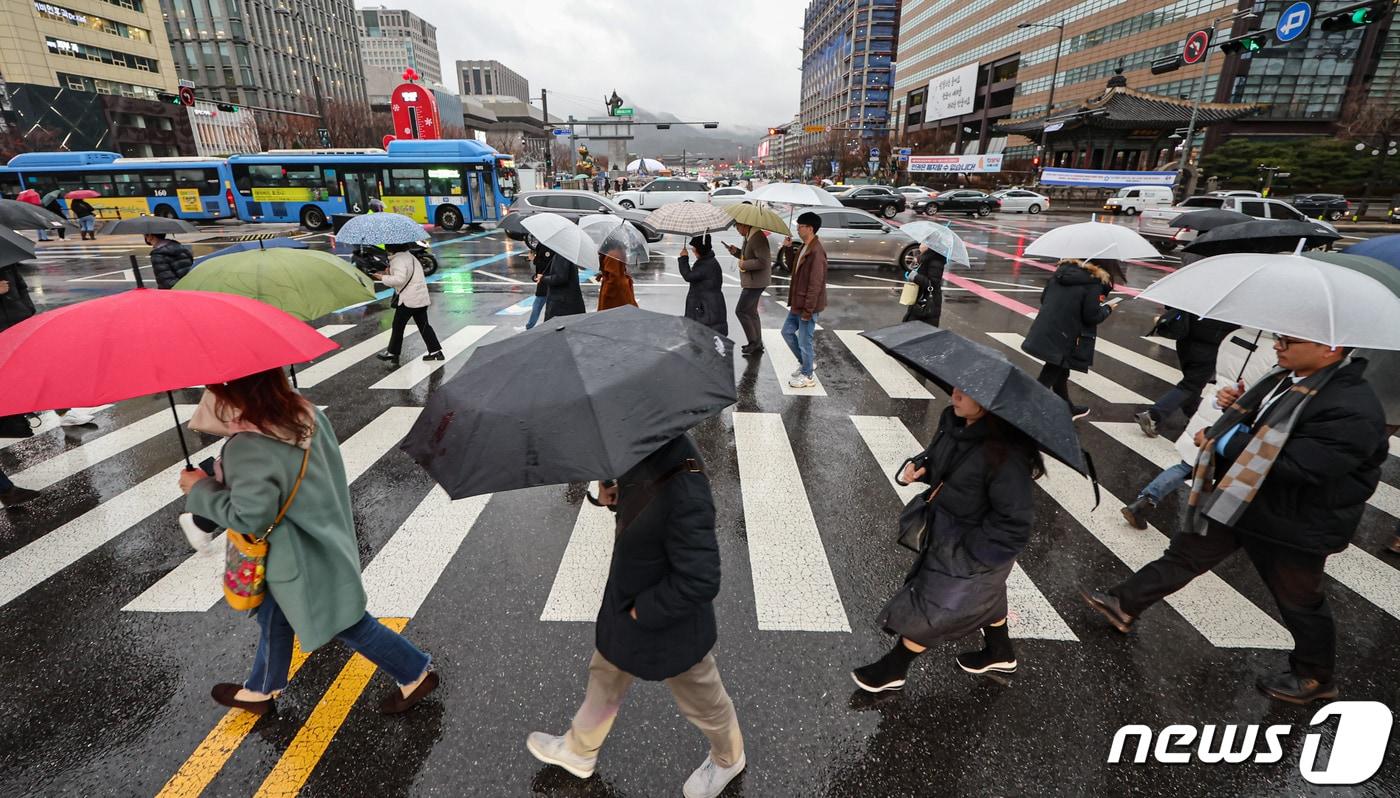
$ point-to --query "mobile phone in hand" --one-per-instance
(207, 466)
(1113, 303)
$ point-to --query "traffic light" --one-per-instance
(1035, 162)
(663, 127)
(226, 107)
(1163, 65)
(1251, 42)
(1358, 15)
(710, 125)
(168, 98)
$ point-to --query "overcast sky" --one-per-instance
(733, 61)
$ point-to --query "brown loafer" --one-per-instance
(397, 702)
(224, 694)
(1107, 606)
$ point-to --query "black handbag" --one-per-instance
(913, 519)
(1171, 324)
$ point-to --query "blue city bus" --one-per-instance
(446, 182)
(185, 188)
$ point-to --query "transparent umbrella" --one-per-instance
(618, 237)
(939, 239)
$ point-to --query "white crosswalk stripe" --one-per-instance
(320, 372)
(577, 592)
(1094, 383)
(417, 370)
(1142, 363)
(403, 573)
(893, 377)
(193, 585)
(1031, 615)
(67, 463)
(1377, 582)
(792, 581)
(784, 364)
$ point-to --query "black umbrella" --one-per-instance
(142, 225)
(1261, 235)
(14, 247)
(577, 398)
(984, 374)
(1204, 221)
(18, 215)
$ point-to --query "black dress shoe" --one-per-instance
(16, 496)
(1107, 606)
(389, 357)
(435, 356)
(1132, 513)
(1289, 686)
(224, 694)
(397, 702)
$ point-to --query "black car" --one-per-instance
(972, 203)
(1325, 206)
(571, 204)
(875, 199)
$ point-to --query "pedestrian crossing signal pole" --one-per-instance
(1186, 149)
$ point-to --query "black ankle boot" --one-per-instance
(886, 673)
(1133, 513)
(997, 655)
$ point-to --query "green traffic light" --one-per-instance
(1363, 16)
(1253, 45)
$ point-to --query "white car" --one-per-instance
(729, 195)
(913, 193)
(1019, 200)
(663, 191)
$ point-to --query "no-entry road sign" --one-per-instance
(1196, 45)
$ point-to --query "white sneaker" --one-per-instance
(198, 539)
(797, 373)
(709, 780)
(552, 750)
(76, 417)
(802, 381)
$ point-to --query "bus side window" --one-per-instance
(407, 183)
(159, 184)
(444, 181)
(129, 184)
(101, 182)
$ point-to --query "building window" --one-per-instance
(101, 54)
(91, 22)
(99, 86)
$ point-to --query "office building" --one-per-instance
(966, 66)
(491, 78)
(395, 40)
(267, 53)
(84, 74)
(848, 53)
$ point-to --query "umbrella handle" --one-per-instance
(593, 500)
(136, 272)
(1093, 476)
(184, 447)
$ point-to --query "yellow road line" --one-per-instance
(211, 755)
(306, 749)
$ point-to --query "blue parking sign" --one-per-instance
(1293, 22)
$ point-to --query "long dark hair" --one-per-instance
(1004, 439)
(266, 401)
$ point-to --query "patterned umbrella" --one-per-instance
(688, 218)
(381, 228)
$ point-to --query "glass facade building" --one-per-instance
(848, 62)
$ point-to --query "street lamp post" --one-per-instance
(1186, 149)
(1054, 77)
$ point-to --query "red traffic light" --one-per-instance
(187, 96)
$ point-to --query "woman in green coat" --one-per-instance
(313, 563)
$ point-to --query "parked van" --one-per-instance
(1132, 200)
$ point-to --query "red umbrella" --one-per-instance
(30, 196)
(143, 342)
(82, 193)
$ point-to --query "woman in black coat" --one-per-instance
(1063, 334)
(928, 307)
(563, 297)
(704, 302)
(1196, 351)
(978, 524)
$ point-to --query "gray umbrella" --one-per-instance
(51, 196)
(1261, 235)
(143, 225)
(18, 215)
(1207, 220)
(577, 398)
(14, 247)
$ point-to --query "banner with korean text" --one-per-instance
(952, 164)
(1105, 178)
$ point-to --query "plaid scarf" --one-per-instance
(1227, 500)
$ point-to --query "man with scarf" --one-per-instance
(1284, 474)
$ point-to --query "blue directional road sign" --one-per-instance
(559, 131)
(874, 152)
(1293, 22)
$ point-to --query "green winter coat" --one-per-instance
(313, 562)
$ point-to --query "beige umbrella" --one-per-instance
(762, 218)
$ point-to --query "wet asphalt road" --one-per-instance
(107, 696)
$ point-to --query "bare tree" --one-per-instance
(1374, 124)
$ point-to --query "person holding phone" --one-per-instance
(755, 275)
(1072, 306)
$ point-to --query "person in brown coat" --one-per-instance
(754, 277)
(616, 284)
(806, 299)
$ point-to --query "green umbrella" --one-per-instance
(1383, 272)
(762, 218)
(305, 283)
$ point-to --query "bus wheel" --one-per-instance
(449, 218)
(165, 211)
(313, 218)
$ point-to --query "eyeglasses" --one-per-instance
(1282, 342)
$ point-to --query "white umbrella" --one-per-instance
(563, 238)
(610, 233)
(1089, 240)
(795, 194)
(1287, 295)
(649, 166)
(939, 239)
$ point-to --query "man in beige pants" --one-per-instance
(657, 620)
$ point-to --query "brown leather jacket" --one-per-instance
(807, 292)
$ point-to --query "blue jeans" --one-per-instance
(378, 643)
(797, 332)
(535, 310)
(1167, 482)
(87, 223)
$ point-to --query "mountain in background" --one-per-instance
(721, 143)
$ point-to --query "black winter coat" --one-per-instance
(1313, 497)
(15, 304)
(704, 302)
(1071, 308)
(979, 523)
(170, 260)
(665, 564)
(928, 307)
(81, 208)
(542, 258)
(563, 296)
(1196, 351)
